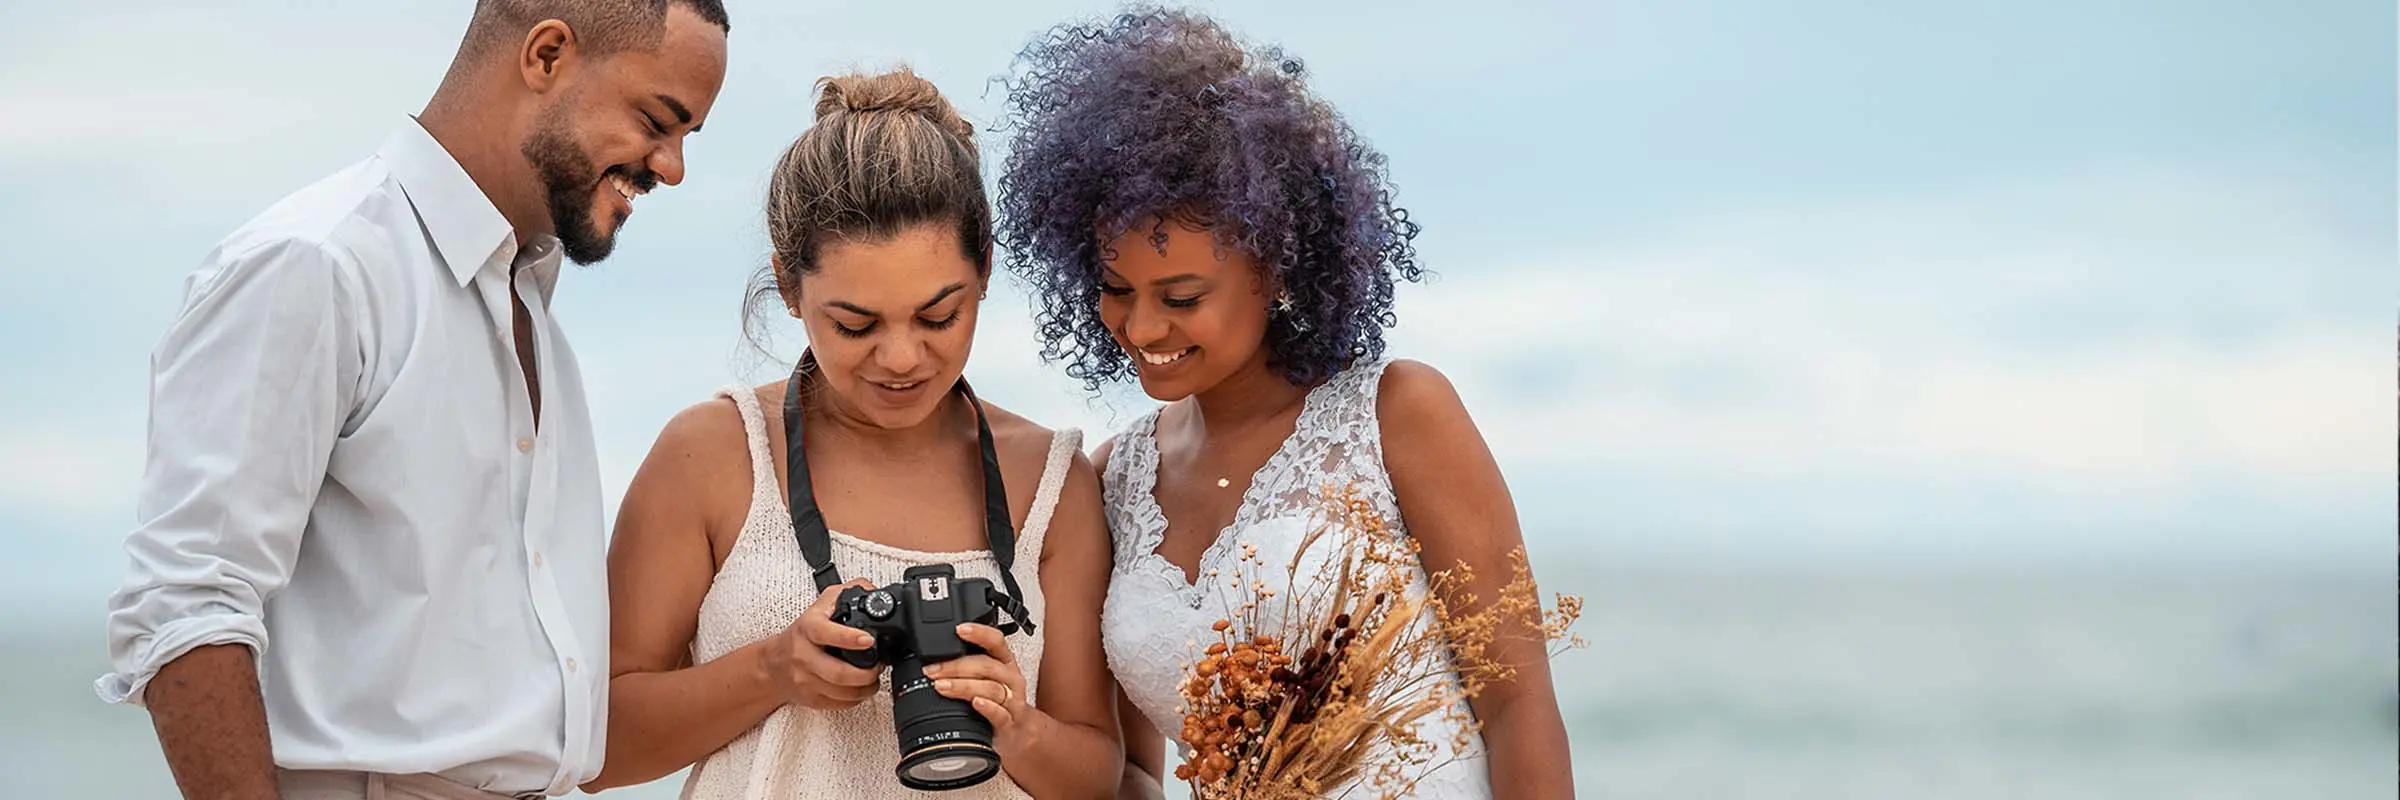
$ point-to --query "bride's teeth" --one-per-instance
(1156, 360)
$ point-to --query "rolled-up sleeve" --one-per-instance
(249, 390)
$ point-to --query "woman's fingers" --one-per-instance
(816, 678)
(995, 700)
(999, 715)
(830, 696)
(978, 667)
(994, 687)
(817, 626)
(836, 672)
(988, 638)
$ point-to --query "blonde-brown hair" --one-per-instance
(887, 153)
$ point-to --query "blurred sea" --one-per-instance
(1894, 684)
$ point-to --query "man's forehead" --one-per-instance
(684, 76)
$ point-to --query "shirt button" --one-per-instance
(525, 444)
(537, 560)
(570, 665)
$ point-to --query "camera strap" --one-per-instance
(816, 542)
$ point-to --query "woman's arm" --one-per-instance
(1145, 754)
(1145, 770)
(663, 713)
(1456, 505)
(1077, 692)
(1050, 747)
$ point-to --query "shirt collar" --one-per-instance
(466, 229)
(542, 260)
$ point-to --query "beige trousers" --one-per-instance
(340, 785)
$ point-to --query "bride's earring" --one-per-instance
(1283, 308)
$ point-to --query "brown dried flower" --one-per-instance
(1329, 694)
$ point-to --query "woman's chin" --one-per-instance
(1164, 394)
(896, 418)
(1162, 388)
(1170, 382)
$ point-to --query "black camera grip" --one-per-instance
(862, 659)
(846, 613)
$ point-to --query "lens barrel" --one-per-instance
(944, 743)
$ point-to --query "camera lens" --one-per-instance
(944, 744)
(948, 767)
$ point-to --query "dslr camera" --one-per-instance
(944, 743)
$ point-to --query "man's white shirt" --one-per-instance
(345, 474)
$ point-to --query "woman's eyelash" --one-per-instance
(1171, 302)
(854, 333)
(940, 324)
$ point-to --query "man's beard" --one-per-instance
(569, 186)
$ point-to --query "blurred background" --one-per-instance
(1961, 400)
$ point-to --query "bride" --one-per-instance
(1194, 218)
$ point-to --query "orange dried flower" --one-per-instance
(1383, 654)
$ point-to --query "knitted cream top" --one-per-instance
(764, 585)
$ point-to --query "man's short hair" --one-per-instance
(601, 26)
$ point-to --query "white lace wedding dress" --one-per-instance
(1155, 622)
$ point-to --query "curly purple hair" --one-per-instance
(1162, 113)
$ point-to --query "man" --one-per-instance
(370, 557)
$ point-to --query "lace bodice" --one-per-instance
(1154, 620)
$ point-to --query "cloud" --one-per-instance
(1729, 282)
(183, 83)
(2219, 336)
(1830, 375)
(49, 471)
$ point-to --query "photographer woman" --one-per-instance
(882, 240)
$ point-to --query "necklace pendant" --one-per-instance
(1224, 482)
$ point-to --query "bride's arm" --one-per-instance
(1457, 507)
(1145, 754)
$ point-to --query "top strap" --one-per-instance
(808, 521)
(1063, 446)
(754, 429)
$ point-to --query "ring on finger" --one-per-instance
(1007, 694)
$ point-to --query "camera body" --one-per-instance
(944, 743)
(917, 618)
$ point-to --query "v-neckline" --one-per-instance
(1188, 582)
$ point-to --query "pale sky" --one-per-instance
(1735, 281)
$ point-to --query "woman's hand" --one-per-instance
(991, 682)
(803, 674)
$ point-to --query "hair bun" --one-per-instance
(899, 91)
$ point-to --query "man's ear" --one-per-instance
(549, 51)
